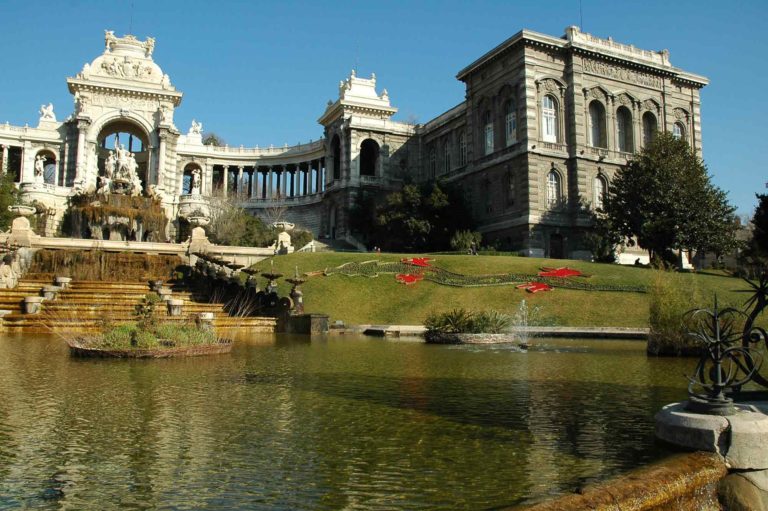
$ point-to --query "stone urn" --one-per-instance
(155, 285)
(51, 292)
(165, 293)
(204, 320)
(63, 282)
(22, 210)
(199, 221)
(33, 304)
(175, 306)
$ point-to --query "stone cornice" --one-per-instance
(76, 84)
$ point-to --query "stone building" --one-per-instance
(545, 124)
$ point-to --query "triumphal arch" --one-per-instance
(544, 125)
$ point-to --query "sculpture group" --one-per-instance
(120, 174)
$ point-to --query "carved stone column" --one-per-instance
(239, 186)
(225, 175)
(270, 181)
(5, 159)
(307, 177)
(162, 135)
(284, 187)
(82, 125)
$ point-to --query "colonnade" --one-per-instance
(267, 181)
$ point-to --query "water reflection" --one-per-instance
(338, 423)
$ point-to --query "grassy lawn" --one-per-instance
(362, 300)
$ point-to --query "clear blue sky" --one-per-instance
(261, 73)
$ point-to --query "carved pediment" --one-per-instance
(680, 114)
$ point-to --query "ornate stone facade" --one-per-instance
(546, 123)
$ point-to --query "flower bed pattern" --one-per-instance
(409, 271)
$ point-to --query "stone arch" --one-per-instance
(49, 165)
(187, 177)
(369, 157)
(336, 156)
(113, 134)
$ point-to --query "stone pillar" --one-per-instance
(284, 187)
(5, 159)
(80, 159)
(320, 180)
(270, 181)
(225, 185)
(610, 121)
(161, 161)
(307, 178)
(240, 180)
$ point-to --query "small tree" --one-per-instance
(665, 199)
(759, 243)
(211, 138)
(9, 196)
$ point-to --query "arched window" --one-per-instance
(462, 149)
(649, 128)
(336, 150)
(553, 189)
(624, 125)
(597, 125)
(488, 131)
(678, 130)
(369, 157)
(548, 119)
(446, 157)
(601, 188)
(510, 122)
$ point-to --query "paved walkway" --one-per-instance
(542, 331)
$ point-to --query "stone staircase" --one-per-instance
(86, 305)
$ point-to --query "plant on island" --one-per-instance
(149, 336)
(462, 321)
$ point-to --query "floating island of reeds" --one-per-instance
(149, 337)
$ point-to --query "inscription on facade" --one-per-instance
(621, 74)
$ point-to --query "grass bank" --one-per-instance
(363, 300)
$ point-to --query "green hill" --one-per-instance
(382, 300)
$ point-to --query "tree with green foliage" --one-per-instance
(416, 218)
(9, 196)
(664, 198)
(758, 246)
(211, 138)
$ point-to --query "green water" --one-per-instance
(343, 423)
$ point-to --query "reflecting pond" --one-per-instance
(340, 423)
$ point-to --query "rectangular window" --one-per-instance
(488, 138)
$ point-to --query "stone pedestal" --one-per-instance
(32, 304)
(198, 241)
(175, 307)
(741, 439)
(305, 324)
(51, 292)
(22, 234)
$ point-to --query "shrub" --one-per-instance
(461, 321)
(671, 297)
(462, 240)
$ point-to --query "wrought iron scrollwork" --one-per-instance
(733, 350)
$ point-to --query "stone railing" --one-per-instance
(261, 151)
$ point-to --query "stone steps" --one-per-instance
(84, 305)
